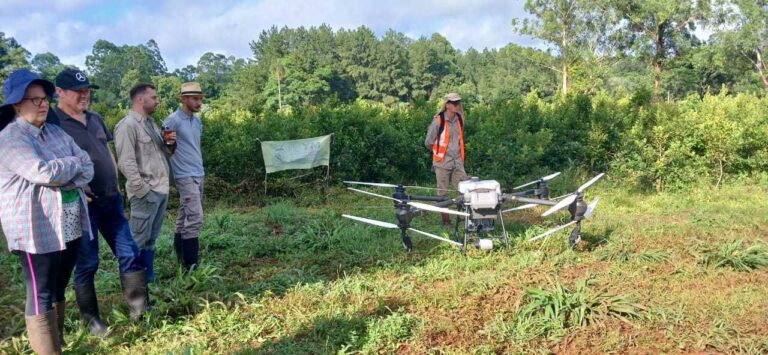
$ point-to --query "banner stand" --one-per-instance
(296, 154)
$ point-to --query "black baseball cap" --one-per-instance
(73, 79)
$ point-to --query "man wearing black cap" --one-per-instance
(106, 205)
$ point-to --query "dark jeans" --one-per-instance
(46, 276)
(108, 217)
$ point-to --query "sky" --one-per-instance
(184, 30)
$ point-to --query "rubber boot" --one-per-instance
(446, 219)
(43, 333)
(177, 245)
(58, 309)
(191, 249)
(135, 292)
(89, 309)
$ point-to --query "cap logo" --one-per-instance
(79, 76)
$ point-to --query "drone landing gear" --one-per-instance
(575, 235)
(406, 241)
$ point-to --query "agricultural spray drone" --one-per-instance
(480, 202)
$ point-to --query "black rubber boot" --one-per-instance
(191, 249)
(89, 309)
(43, 333)
(177, 245)
(135, 292)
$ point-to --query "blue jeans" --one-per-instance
(107, 217)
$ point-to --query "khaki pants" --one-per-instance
(449, 178)
(190, 218)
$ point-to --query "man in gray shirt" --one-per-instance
(445, 137)
(187, 165)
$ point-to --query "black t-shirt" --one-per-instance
(93, 139)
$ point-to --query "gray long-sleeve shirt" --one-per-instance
(141, 155)
(453, 154)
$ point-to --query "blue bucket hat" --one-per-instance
(18, 82)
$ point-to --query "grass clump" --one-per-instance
(737, 256)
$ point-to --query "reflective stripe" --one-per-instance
(441, 145)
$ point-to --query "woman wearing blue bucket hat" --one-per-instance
(43, 208)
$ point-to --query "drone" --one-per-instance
(479, 204)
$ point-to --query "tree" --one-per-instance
(214, 72)
(48, 65)
(357, 53)
(12, 56)
(390, 78)
(186, 74)
(109, 65)
(430, 60)
(746, 34)
(660, 29)
(566, 24)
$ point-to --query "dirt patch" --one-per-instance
(276, 229)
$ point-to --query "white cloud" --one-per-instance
(184, 30)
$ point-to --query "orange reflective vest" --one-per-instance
(444, 137)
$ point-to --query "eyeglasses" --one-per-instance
(37, 101)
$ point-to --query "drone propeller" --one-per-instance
(551, 231)
(590, 210)
(591, 207)
(374, 194)
(589, 183)
(427, 207)
(572, 197)
(395, 226)
(543, 179)
(559, 197)
(377, 184)
(372, 222)
(519, 208)
(419, 205)
(382, 184)
(560, 205)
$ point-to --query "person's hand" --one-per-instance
(170, 138)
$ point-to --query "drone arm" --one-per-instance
(521, 193)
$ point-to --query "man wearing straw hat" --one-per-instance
(445, 138)
(187, 165)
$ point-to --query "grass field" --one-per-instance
(657, 273)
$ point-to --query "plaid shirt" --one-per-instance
(35, 165)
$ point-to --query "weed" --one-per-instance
(736, 256)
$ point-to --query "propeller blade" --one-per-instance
(427, 188)
(435, 237)
(372, 221)
(524, 185)
(591, 207)
(379, 184)
(551, 176)
(589, 183)
(560, 205)
(559, 197)
(427, 207)
(545, 179)
(373, 194)
(553, 230)
(518, 208)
